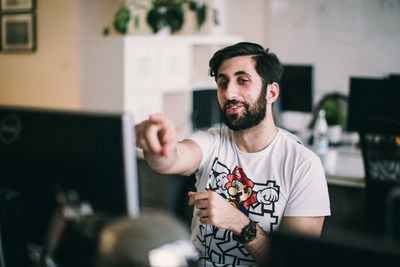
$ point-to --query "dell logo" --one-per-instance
(9, 129)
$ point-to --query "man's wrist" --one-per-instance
(247, 234)
(239, 225)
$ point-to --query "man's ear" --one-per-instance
(272, 92)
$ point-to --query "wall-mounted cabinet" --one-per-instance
(135, 73)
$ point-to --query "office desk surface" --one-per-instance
(348, 169)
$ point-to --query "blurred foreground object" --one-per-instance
(153, 239)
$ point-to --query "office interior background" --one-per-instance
(339, 39)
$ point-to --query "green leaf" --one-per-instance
(201, 16)
(121, 19)
(175, 17)
(106, 31)
(335, 111)
(155, 20)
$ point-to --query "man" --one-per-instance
(251, 176)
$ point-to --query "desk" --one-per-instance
(348, 169)
(346, 185)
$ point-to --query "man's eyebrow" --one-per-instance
(221, 75)
(240, 72)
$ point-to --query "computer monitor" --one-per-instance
(371, 98)
(296, 88)
(206, 111)
(340, 248)
(48, 155)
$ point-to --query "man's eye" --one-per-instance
(222, 84)
(239, 187)
(243, 80)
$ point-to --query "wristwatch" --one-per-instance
(248, 233)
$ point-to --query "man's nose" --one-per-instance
(231, 91)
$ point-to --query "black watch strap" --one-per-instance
(249, 233)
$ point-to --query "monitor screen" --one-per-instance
(296, 88)
(47, 156)
(206, 111)
(372, 98)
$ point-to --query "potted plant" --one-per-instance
(171, 14)
(200, 9)
(121, 20)
(335, 106)
(166, 14)
(145, 16)
(131, 17)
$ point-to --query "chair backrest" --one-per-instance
(380, 146)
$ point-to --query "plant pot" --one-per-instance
(335, 134)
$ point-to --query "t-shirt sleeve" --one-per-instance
(309, 193)
(204, 140)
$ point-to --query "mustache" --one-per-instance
(234, 102)
(238, 195)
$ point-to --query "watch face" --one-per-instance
(249, 232)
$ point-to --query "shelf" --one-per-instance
(208, 40)
(149, 73)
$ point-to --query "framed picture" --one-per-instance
(18, 32)
(17, 5)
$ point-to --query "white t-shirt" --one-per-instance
(284, 179)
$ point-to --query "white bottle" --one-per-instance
(320, 134)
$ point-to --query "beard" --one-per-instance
(251, 117)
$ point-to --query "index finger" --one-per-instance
(195, 196)
(153, 143)
(160, 118)
(167, 128)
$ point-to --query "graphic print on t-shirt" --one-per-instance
(250, 197)
(256, 200)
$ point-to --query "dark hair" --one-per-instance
(267, 64)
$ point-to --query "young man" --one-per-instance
(251, 176)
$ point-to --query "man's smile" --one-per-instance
(232, 107)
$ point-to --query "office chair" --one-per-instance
(380, 146)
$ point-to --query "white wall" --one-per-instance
(247, 19)
(340, 38)
(94, 16)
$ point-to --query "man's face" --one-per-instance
(240, 95)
